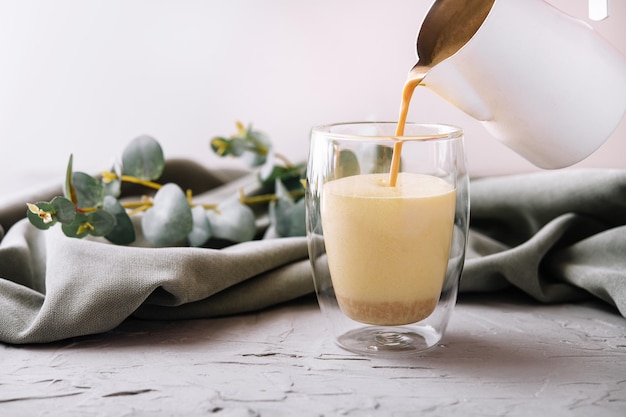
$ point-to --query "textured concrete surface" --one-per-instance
(501, 356)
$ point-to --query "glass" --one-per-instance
(387, 260)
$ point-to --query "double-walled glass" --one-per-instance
(387, 251)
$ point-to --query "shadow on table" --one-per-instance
(510, 335)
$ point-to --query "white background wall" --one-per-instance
(86, 76)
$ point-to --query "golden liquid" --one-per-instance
(447, 28)
(416, 76)
(388, 272)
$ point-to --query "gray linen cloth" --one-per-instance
(558, 236)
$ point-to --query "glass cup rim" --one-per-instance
(440, 131)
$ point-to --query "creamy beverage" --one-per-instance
(388, 247)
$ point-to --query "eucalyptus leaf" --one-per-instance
(102, 222)
(347, 165)
(290, 176)
(88, 190)
(96, 223)
(38, 221)
(64, 209)
(78, 228)
(234, 222)
(201, 231)
(169, 220)
(287, 216)
(297, 219)
(383, 159)
(68, 190)
(143, 158)
(258, 149)
(114, 187)
(236, 146)
(123, 232)
(220, 145)
(269, 171)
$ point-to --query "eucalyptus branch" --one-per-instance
(91, 205)
(108, 176)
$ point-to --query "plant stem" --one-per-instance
(109, 176)
(145, 183)
(283, 158)
(86, 209)
(265, 198)
(135, 204)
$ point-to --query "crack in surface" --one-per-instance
(38, 397)
(128, 393)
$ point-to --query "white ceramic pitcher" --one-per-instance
(545, 84)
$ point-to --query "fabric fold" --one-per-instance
(558, 236)
(91, 287)
(540, 233)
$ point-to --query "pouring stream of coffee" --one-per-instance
(448, 26)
